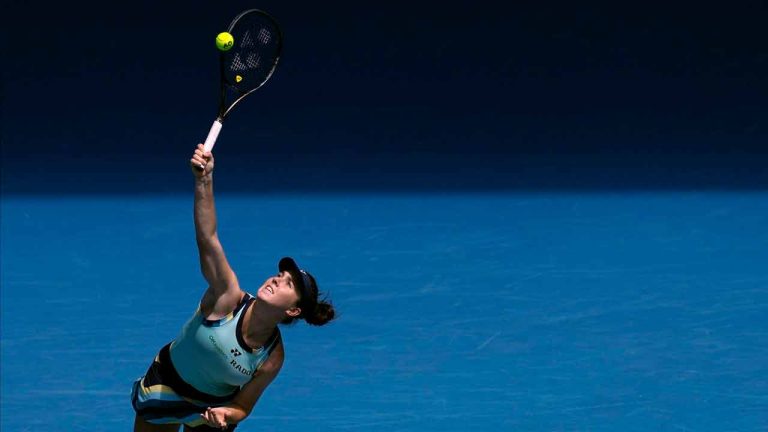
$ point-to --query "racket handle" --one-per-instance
(212, 135)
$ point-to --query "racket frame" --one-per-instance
(225, 109)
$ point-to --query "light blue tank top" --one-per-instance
(212, 356)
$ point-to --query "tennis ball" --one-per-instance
(224, 41)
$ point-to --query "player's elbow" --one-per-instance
(207, 241)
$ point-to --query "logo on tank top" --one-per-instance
(216, 346)
(235, 351)
(240, 368)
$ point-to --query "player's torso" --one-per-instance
(212, 355)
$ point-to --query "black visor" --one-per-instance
(304, 281)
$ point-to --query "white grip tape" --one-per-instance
(212, 135)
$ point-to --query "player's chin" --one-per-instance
(265, 296)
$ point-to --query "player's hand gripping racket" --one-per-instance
(246, 66)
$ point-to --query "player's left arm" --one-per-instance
(242, 405)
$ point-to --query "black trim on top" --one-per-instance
(241, 339)
(274, 340)
(243, 301)
(239, 330)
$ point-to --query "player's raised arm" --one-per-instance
(213, 262)
(230, 350)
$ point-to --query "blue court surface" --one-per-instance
(625, 311)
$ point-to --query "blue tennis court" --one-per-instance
(629, 311)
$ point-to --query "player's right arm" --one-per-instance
(223, 291)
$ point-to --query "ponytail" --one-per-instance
(322, 314)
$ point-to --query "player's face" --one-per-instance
(279, 291)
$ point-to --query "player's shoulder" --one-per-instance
(216, 306)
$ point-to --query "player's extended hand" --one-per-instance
(215, 417)
(201, 162)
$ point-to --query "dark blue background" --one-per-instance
(394, 96)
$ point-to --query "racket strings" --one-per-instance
(254, 55)
(239, 64)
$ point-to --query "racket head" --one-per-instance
(258, 43)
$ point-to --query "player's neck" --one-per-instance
(261, 322)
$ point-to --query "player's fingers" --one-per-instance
(210, 417)
(214, 418)
(217, 418)
(197, 164)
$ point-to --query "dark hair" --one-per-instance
(314, 310)
(322, 314)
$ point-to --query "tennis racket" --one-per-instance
(246, 66)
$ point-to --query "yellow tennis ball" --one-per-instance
(224, 41)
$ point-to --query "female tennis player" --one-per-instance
(211, 376)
